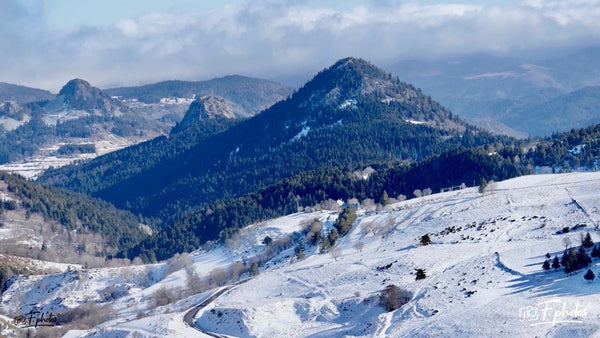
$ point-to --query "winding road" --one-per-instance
(189, 316)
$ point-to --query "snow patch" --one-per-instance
(349, 103)
(577, 150)
(176, 100)
(302, 133)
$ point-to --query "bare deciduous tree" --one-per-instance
(237, 269)
(218, 277)
(369, 227)
(566, 241)
(164, 296)
(368, 204)
(178, 262)
(335, 252)
(194, 283)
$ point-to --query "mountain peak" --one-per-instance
(78, 94)
(75, 87)
(354, 80)
(357, 68)
(207, 107)
(353, 62)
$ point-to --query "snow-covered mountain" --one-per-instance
(483, 269)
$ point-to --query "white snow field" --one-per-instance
(483, 266)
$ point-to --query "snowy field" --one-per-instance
(46, 158)
(483, 266)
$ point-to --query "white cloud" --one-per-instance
(267, 39)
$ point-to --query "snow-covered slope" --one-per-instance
(483, 266)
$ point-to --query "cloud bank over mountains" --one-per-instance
(270, 39)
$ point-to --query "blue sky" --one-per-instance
(113, 42)
(74, 13)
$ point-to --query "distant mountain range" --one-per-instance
(79, 114)
(246, 96)
(530, 96)
(22, 94)
(84, 114)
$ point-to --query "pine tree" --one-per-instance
(568, 267)
(587, 241)
(333, 236)
(385, 199)
(420, 274)
(326, 244)
(569, 260)
(546, 265)
(548, 255)
(589, 276)
(582, 258)
(425, 240)
(555, 263)
(595, 252)
(564, 258)
(345, 221)
(267, 240)
(482, 185)
(299, 251)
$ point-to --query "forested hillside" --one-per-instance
(221, 219)
(573, 150)
(70, 215)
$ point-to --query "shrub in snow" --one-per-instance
(393, 297)
(87, 315)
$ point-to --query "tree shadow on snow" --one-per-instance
(554, 283)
